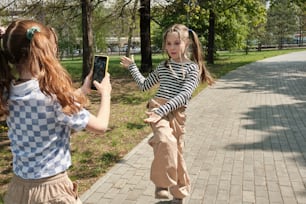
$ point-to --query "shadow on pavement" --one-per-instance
(282, 120)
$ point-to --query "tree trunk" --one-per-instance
(131, 28)
(88, 53)
(146, 52)
(211, 38)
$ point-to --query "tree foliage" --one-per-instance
(220, 24)
(282, 21)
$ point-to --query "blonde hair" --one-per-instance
(39, 56)
(191, 39)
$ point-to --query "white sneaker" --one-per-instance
(161, 193)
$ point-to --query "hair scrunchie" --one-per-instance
(190, 32)
(31, 31)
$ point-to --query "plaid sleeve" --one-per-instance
(77, 121)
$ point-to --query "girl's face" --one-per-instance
(175, 47)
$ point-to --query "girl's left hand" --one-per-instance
(86, 87)
(153, 117)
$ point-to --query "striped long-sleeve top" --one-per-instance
(177, 82)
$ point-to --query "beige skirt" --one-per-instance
(58, 189)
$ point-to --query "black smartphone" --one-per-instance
(100, 67)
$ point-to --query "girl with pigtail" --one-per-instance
(178, 77)
(41, 107)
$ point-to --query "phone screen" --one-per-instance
(100, 68)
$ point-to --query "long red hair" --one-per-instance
(39, 56)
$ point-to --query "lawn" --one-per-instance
(94, 154)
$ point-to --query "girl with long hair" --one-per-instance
(178, 77)
(41, 107)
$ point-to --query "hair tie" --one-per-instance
(31, 31)
(190, 31)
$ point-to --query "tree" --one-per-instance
(187, 12)
(146, 52)
(66, 23)
(87, 9)
(61, 15)
(131, 16)
(211, 37)
(242, 11)
(220, 24)
(282, 21)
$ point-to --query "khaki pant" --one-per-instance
(168, 167)
(57, 189)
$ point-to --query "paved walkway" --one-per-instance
(245, 142)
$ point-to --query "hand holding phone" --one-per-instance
(100, 68)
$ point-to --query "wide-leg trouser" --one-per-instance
(168, 168)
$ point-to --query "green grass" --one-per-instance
(225, 61)
(115, 69)
(228, 61)
(94, 154)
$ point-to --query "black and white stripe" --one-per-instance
(176, 84)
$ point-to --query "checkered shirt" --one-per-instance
(40, 132)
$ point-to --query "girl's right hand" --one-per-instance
(99, 123)
(152, 117)
(126, 62)
(105, 86)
